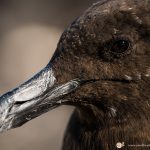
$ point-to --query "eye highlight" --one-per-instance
(119, 46)
(116, 48)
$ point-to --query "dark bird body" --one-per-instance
(101, 66)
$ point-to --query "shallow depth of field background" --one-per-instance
(29, 32)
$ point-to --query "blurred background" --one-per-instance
(29, 32)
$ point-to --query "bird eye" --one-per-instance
(120, 46)
(116, 48)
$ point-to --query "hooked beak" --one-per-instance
(33, 98)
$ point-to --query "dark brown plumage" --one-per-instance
(116, 110)
(101, 66)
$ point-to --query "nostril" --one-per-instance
(20, 102)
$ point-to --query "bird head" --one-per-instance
(101, 63)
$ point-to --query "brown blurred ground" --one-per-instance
(29, 32)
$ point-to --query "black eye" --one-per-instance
(116, 48)
(119, 46)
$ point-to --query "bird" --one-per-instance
(102, 67)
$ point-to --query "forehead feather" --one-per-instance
(135, 13)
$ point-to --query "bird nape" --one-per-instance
(102, 67)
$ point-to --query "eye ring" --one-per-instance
(120, 46)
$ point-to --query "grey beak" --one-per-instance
(33, 98)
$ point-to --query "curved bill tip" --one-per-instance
(33, 98)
